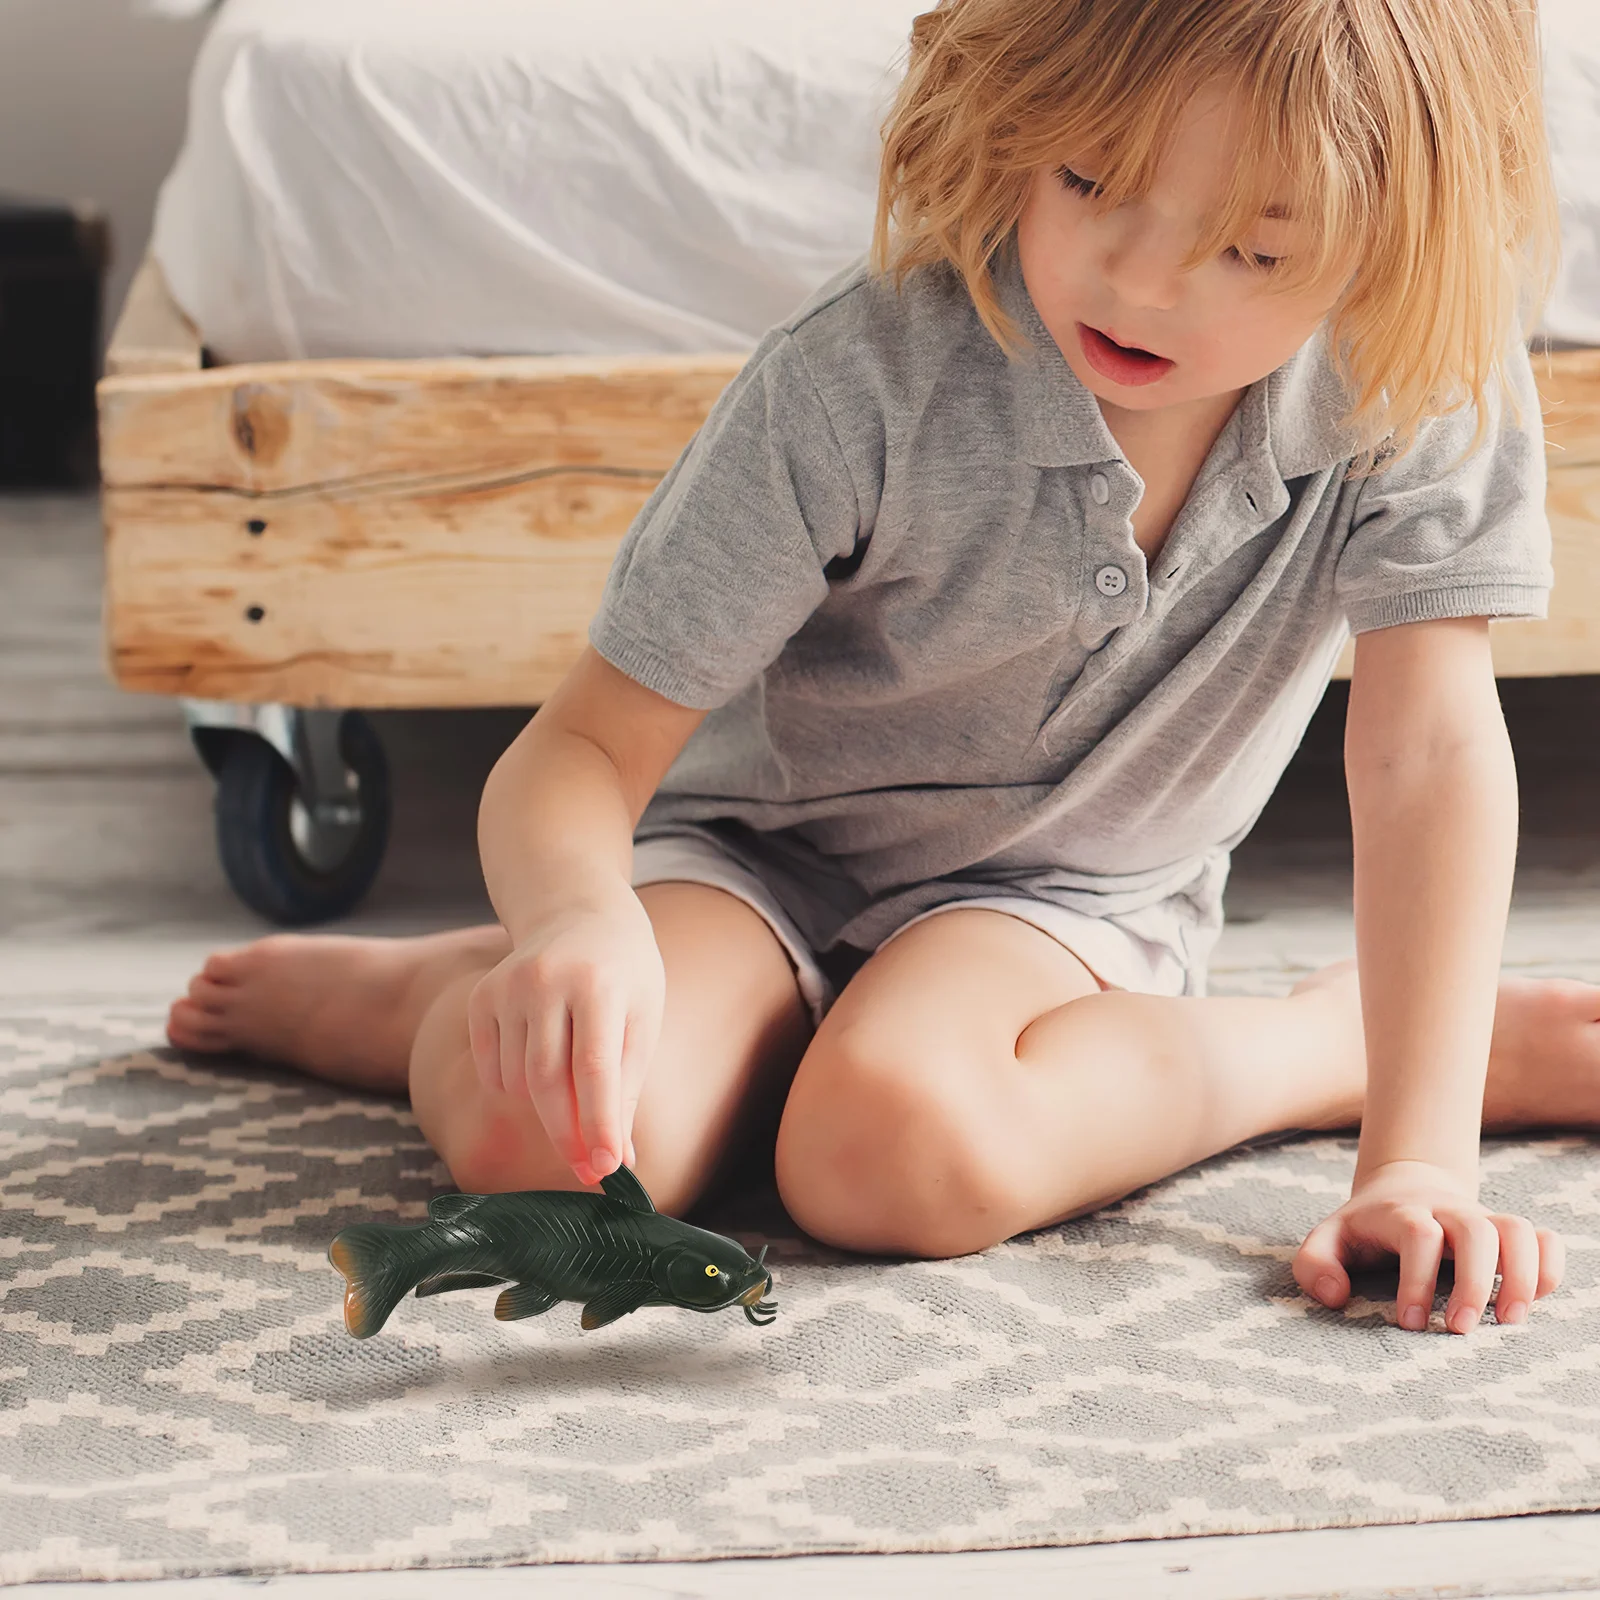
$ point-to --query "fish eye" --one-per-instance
(711, 1272)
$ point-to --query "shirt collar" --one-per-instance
(1059, 423)
(1287, 423)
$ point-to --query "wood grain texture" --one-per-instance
(379, 533)
(400, 598)
(298, 429)
(438, 533)
(152, 335)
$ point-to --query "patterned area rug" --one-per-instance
(178, 1395)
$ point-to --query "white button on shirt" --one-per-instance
(1111, 580)
(1099, 489)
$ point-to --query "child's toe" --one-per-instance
(206, 994)
(226, 966)
(190, 1028)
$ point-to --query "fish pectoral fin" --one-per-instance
(523, 1300)
(447, 1281)
(447, 1207)
(626, 1190)
(616, 1301)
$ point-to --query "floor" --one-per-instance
(106, 859)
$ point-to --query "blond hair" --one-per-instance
(1411, 128)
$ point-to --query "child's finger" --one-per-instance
(1519, 1267)
(639, 1037)
(597, 1034)
(548, 1076)
(1475, 1244)
(547, 1060)
(1420, 1245)
(513, 1050)
(1552, 1260)
(1317, 1266)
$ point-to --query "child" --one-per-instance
(884, 823)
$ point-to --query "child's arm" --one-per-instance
(555, 832)
(1451, 532)
(558, 812)
(1433, 805)
(1433, 810)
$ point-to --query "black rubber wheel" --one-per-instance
(262, 829)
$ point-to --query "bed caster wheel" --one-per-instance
(302, 807)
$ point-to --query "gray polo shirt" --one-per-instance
(900, 572)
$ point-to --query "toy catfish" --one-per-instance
(613, 1251)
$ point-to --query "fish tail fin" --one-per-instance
(379, 1272)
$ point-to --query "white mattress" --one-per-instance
(1572, 112)
(412, 177)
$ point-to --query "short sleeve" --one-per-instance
(724, 563)
(1436, 536)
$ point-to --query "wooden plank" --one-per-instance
(450, 598)
(438, 533)
(403, 533)
(302, 428)
(152, 335)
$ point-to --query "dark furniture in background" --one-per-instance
(53, 262)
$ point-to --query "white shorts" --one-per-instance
(1116, 957)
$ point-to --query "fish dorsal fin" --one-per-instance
(448, 1207)
(617, 1300)
(626, 1190)
(523, 1300)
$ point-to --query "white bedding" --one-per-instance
(413, 177)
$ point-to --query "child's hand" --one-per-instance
(1421, 1212)
(570, 1019)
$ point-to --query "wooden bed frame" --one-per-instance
(342, 533)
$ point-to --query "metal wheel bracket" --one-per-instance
(326, 816)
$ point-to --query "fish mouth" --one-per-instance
(758, 1310)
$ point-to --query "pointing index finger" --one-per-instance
(597, 1034)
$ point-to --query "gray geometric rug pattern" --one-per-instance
(178, 1395)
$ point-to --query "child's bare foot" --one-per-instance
(339, 1008)
(1544, 1066)
(1544, 1056)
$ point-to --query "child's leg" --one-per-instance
(973, 1082)
(390, 1015)
(338, 1008)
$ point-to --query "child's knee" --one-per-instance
(885, 1155)
(442, 1034)
(490, 1153)
(452, 1105)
